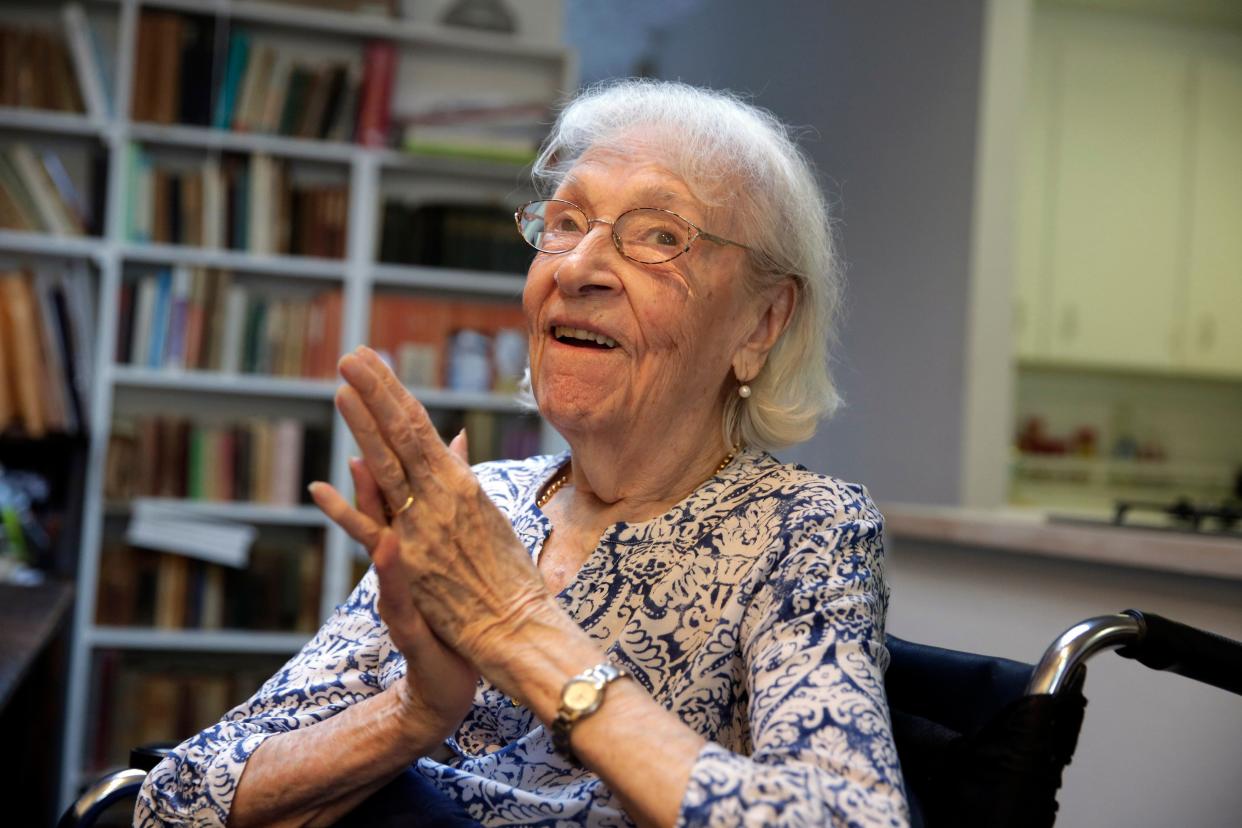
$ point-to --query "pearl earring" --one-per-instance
(743, 390)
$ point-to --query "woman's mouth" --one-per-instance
(581, 338)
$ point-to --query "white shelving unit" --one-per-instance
(359, 273)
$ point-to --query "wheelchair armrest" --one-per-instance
(96, 799)
(1203, 656)
(1153, 641)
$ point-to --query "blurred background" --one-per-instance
(1038, 207)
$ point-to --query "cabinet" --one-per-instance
(369, 176)
(1128, 242)
(1213, 323)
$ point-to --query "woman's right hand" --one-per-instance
(439, 684)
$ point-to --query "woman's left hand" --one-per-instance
(472, 579)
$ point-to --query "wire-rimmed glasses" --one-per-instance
(647, 235)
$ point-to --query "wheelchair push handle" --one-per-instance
(1150, 639)
(1203, 656)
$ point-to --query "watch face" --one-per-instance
(579, 695)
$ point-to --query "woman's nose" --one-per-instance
(591, 267)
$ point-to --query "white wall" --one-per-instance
(1156, 749)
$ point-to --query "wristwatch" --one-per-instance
(580, 697)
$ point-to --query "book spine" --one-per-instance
(239, 53)
(159, 320)
(234, 331)
(179, 308)
(81, 49)
(22, 345)
(375, 114)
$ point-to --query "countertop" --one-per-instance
(1031, 532)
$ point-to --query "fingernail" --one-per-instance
(311, 486)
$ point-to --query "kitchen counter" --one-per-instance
(1031, 532)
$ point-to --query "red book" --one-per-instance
(375, 113)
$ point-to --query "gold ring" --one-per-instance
(409, 501)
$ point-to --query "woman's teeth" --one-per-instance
(563, 332)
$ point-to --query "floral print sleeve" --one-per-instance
(348, 660)
(813, 647)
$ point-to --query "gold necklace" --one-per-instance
(563, 478)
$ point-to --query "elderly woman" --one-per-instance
(665, 625)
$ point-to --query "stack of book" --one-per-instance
(258, 460)
(466, 236)
(192, 318)
(35, 70)
(47, 320)
(236, 203)
(278, 590)
(446, 343)
(143, 701)
(507, 132)
(38, 194)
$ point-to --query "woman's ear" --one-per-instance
(779, 302)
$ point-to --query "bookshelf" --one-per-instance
(532, 58)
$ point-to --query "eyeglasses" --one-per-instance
(647, 235)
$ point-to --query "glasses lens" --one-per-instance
(652, 236)
(552, 226)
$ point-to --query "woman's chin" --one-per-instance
(575, 407)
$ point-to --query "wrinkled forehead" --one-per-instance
(650, 170)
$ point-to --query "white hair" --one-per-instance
(732, 153)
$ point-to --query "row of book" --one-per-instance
(258, 84)
(445, 343)
(36, 70)
(251, 204)
(258, 460)
(66, 72)
(466, 236)
(143, 699)
(277, 591)
(47, 319)
(38, 194)
(492, 436)
(193, 318)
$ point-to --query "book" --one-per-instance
(234, 316)
(178, 319)
(160, 313)
(235, 70)
(277, 91)
(375, 110)
(56, 402)
(25, 369)
(54, 215)
(76, 208)
(83, 52)
(248, 114)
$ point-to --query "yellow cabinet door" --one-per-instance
(1120, 123)
(1213, 336)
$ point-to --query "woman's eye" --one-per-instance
(665, 237)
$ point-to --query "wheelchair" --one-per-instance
(983, 741)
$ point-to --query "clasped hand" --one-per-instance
(455, 583)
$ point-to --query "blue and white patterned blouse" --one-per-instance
(754, 610)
